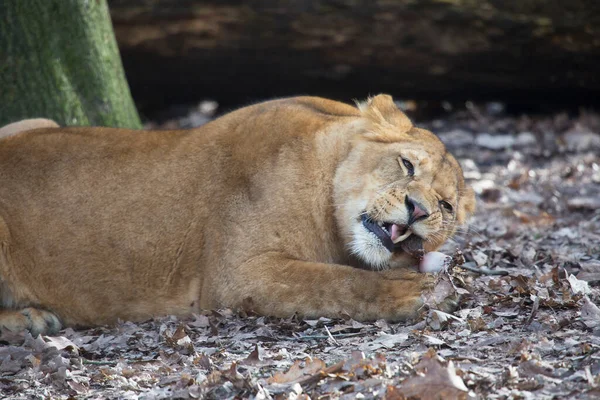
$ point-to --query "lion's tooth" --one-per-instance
(380, 223)
(403, 237)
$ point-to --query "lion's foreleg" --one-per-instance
(275, 285)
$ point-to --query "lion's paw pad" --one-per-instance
(41, 321)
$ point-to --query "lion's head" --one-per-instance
(399, 191)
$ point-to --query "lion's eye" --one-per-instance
(409, 167)
(447, 206)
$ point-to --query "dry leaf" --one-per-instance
(433, 340)
(439, 320)
(384, 340)
(297, 372)
(79, 388)
(10, 337)
(443, 290)
(590, 271)
(200, 321)
(578, 286)
(255, 357)
(590, 313)
(434, 380)
(60, 343)
(392, 393)
(543, 218)
(360, 366)
(233, 376)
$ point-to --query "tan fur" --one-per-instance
(26, 125)
(260, 207)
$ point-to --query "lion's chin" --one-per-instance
(370, 249)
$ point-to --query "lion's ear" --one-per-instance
(382, 110)
(467, 205)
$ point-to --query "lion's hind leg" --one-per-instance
(34, 320)
(14, 315)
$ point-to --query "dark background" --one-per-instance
(529, 54)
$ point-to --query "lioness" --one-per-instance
(301, 205)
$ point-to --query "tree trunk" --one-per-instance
(59, 60)
(520, 51)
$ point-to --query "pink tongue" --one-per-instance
(396, 232)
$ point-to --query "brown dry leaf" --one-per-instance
(233, 376)
(360, 366)
(543, 218)
(438, 320)
(78, 387)
(434, 380)
(179, 340)
(204, 362)
(179, 333)
(255, 357)
(297, 372)
(392, 393)
(477, 324)
(356, 358)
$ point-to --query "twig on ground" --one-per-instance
(331, 337)
(465, 358)
(534, 310)
(92, 362)
(484, 271)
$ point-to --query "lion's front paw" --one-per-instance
(34, 320)
(401, 295)
(41, 321)
(408, 295)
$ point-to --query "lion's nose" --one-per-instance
(416, 210)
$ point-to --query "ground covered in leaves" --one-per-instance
(527, 327)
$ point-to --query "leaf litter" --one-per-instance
(528, 323)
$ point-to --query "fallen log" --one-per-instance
(527, 51)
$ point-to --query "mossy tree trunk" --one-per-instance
(59, 60)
